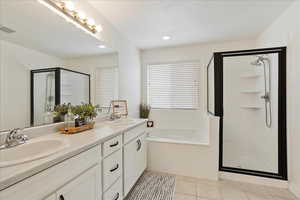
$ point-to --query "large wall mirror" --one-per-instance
(39, 71)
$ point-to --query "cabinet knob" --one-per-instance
(61, 197)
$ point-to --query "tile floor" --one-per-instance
(196, 189)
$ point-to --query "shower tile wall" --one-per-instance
(247, 142)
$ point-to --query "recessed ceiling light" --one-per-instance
(166, 37)
(102, 46)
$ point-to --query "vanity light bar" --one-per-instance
(59, 7)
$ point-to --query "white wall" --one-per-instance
(285, 31)
(16, 63)
(130, 78)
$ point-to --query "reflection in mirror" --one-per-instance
(54, 86)
(43, 97)
(46, 61)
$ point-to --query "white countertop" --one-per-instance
(77, 143)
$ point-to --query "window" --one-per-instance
(106, 85)
(173, 85)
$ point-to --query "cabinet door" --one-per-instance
(142, 156)
(86, 186)
(135, 161)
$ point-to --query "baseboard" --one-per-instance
(174, 173)
(294, 189)
(253, 179)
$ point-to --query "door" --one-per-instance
(86, 186)
(250, 98)
(135, 161)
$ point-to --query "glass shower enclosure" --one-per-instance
(247, 90)
(54, 86)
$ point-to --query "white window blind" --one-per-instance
(106, 85)
(173, 85)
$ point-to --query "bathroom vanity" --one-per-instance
(103, 163)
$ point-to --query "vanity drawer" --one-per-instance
(115, 192)
(135, 132)
(112, 145)
(112, 169)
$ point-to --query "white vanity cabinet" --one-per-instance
(86, 186)
(114, 192)
(135, 158)
(112, 169)
(75, 178)
(107, 171)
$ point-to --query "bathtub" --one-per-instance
(179, 136)
(182, 151)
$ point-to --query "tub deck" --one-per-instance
(179, 136)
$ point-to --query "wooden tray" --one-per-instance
(74, 130)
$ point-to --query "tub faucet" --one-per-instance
(115, 116)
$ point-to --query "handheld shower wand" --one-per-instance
(261, 60)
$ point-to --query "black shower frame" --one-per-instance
(282, 136)
(57, 71)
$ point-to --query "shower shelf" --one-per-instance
(252, 107)
(251, 76)
(251, 91)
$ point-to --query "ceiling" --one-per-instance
(144, 22)
(39, 28)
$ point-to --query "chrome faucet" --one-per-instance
(14, 138)
(115, 116)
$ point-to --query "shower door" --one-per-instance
(250, 98)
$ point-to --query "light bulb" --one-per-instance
(101, 46)
(81, 15)
(166, 37)
(91, 21)
(69, 5)
(99, 28)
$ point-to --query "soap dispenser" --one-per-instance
(69, 118)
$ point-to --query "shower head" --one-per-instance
(259, 60)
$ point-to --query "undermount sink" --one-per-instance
(32, 150)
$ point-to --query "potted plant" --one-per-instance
(85, 113)
(59, 112)
(144, 111)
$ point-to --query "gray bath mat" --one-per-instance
(153, 186)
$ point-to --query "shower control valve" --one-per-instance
(266, 97)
